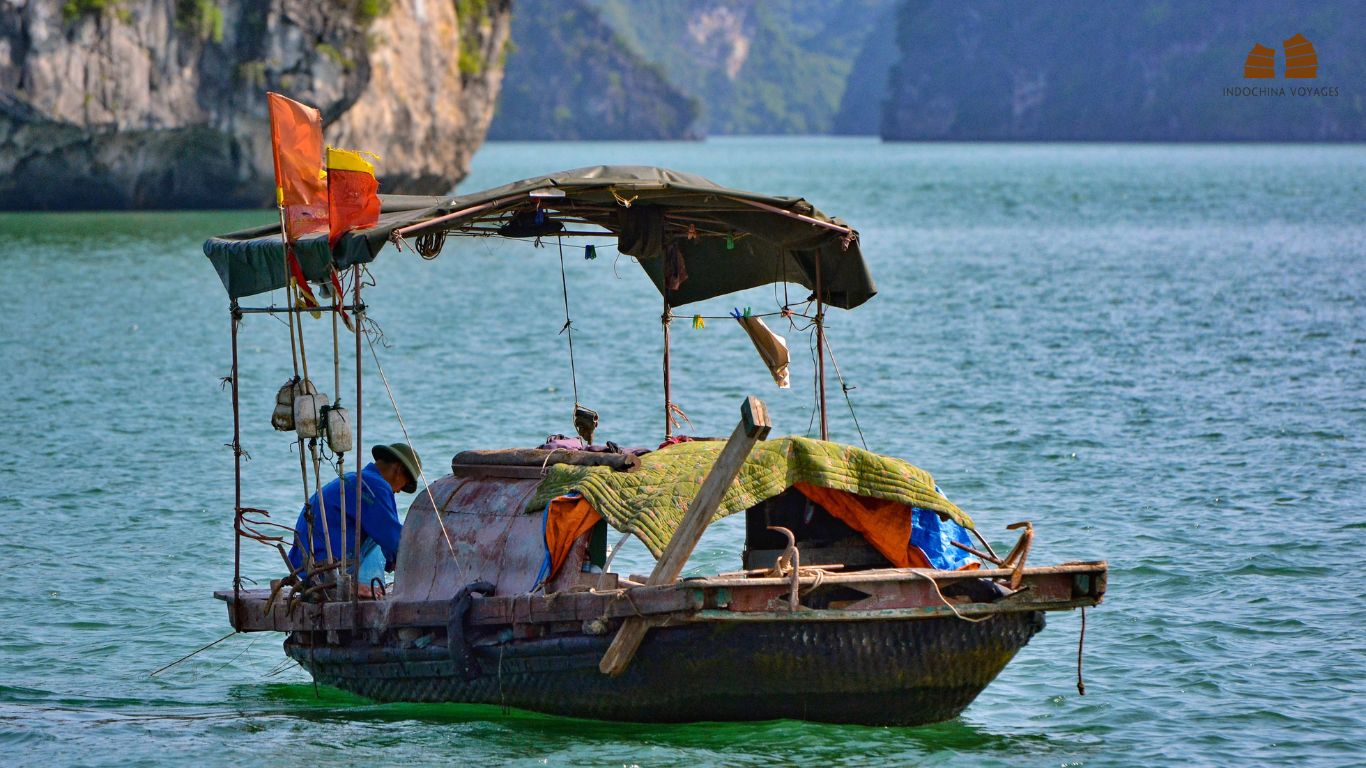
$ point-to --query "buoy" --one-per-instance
(308, 410)
(337, 426)
(283, 416)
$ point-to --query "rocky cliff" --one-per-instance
(570, 76)
(1144, 71)
(161, 103)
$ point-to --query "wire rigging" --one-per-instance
(845, 388)
(427, 488)
(568, 328)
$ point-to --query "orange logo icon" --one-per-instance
(1301, 61)
(1261, 62)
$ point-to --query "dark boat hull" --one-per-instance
(890, 672)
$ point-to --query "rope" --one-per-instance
(1081, 641)
(429, 245)
(192, 653)
(945, 600)
(845, 388)
(427, 488)
(568, 324)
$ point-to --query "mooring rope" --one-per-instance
(191, 654)
(946, 602)
(1081, 641)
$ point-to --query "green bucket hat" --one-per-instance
(404, 455)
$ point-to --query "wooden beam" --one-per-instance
(969, 610)
(754, 426)
(1096, 567)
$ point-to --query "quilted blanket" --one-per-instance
(650, 501)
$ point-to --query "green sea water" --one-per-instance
(1155, 353)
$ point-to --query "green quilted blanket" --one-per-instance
(651, 500)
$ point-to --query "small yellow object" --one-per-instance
(698, 322)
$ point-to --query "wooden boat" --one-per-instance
(818, 622)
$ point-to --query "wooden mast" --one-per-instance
(820, 348)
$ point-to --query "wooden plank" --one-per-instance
(902, 574)
(754, 426)
(1045, 588)
(496, 470)
(971, 610)
(848, 556)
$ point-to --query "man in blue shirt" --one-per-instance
(396, 468)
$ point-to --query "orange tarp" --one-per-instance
(296, 136)
(885, 524)
(569, 518)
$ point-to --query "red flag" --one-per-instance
(306, 298)
(352, 193)
(296, 137)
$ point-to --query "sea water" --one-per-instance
(1154, 353)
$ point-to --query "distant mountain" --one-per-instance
(1148, 70)
(569, 76)
(757, 66)
(865, 91)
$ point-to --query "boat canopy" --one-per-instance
(707, 239)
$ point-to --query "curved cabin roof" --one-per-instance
(729, 239)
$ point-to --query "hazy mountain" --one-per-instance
(865, 91)
(756, 66)
(570, 76)
(1153, 70)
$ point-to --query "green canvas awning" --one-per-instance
(726, 240)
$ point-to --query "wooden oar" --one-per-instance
(753, 427)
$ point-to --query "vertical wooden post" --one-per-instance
(820, 347)
(337, 302)
(237, 476)
(668, 416)
(357, 315)
(754, 426)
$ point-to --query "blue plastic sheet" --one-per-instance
(935, 535)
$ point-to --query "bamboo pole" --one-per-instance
(237, 474)
(358, 318)
(341, 457)
(668, 415)
(272, 310)
(820, 347)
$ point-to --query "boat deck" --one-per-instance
(879, 594)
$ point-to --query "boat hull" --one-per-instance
(898, 672)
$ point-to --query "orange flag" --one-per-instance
(296, 137)
(352, 193)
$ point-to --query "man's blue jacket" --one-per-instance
(379, 519)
